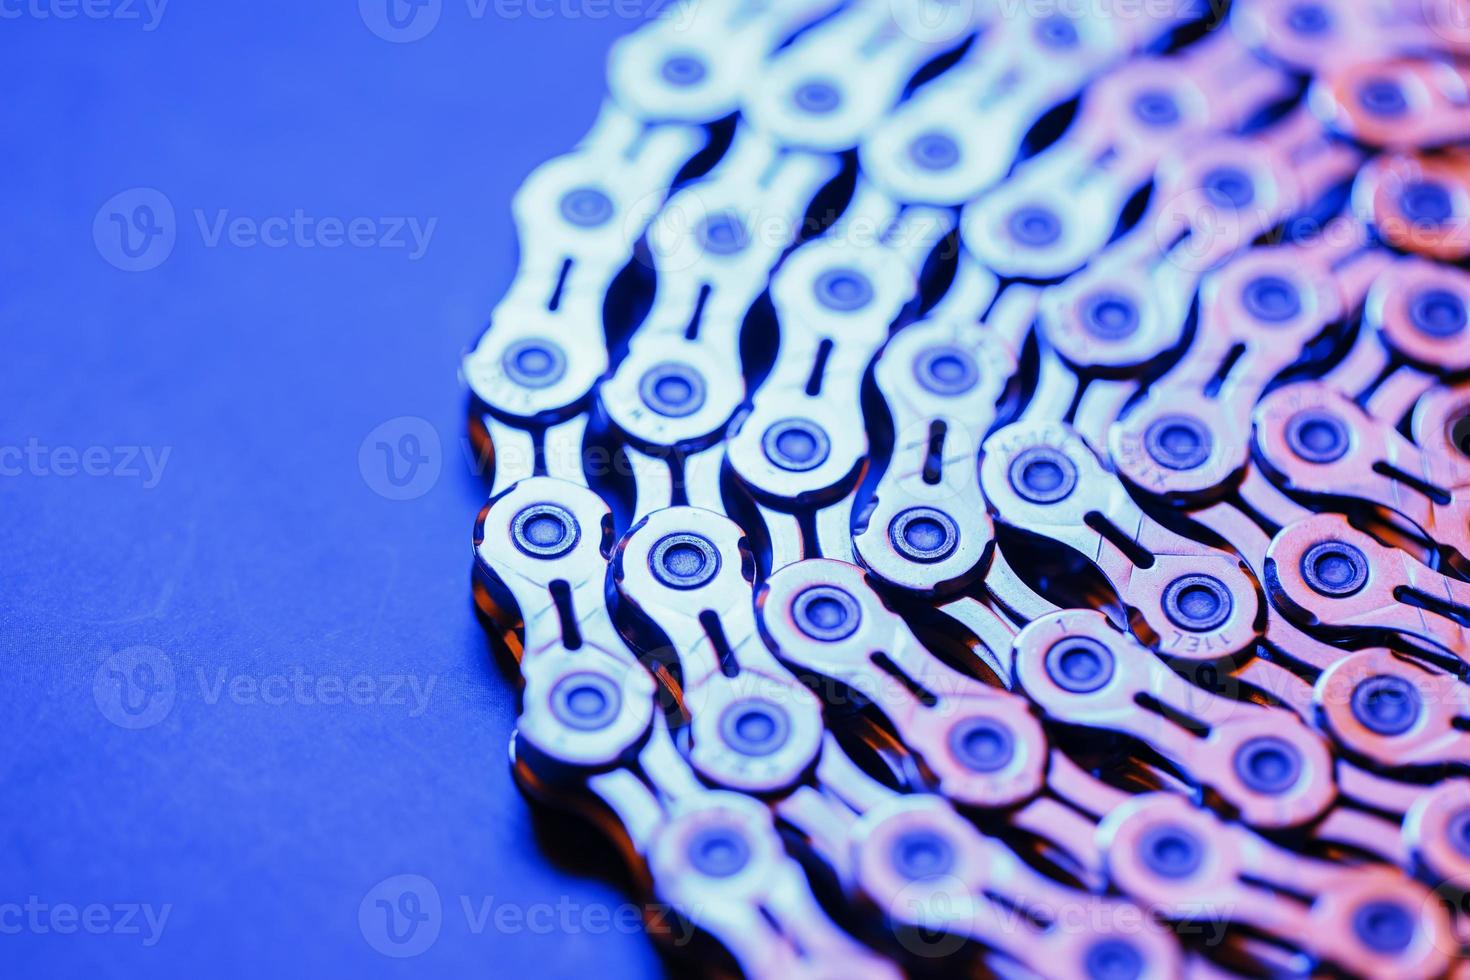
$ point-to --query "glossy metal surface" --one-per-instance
(923, 551)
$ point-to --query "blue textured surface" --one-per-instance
(262, 548)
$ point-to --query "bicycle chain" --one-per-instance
(988, 488)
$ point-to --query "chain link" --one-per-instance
(986, 485)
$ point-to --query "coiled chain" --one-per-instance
(985, 486)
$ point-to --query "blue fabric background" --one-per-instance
(264, 548)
